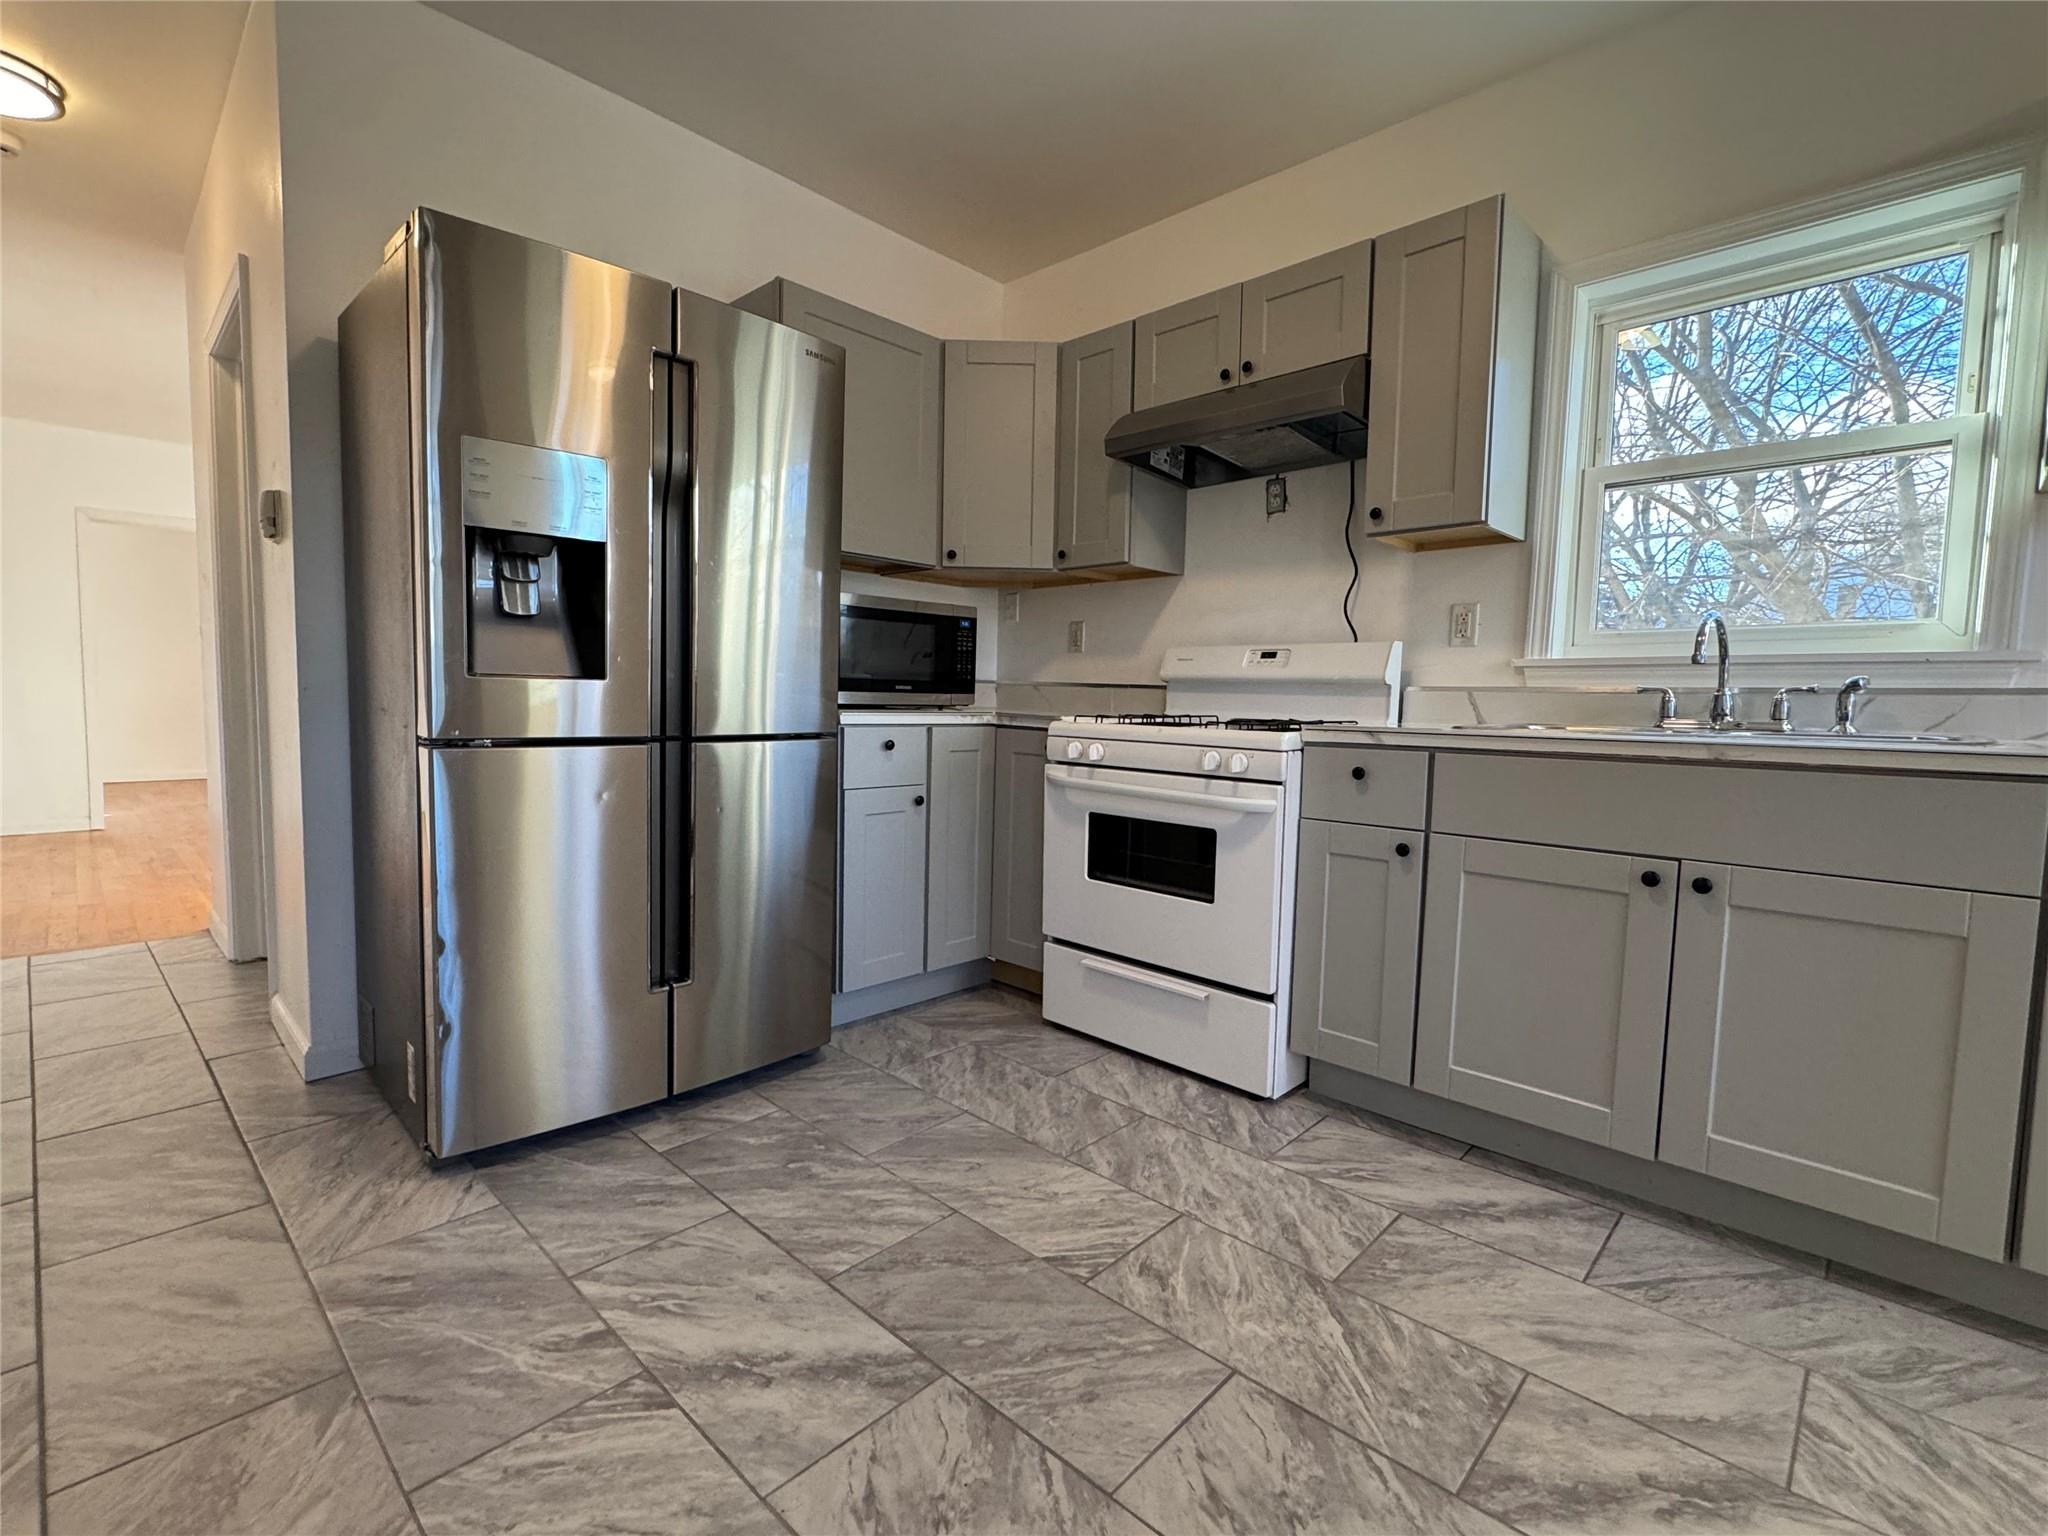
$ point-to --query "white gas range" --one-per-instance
(1169, 853)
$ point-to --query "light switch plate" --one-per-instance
(1464, 623)
(1013, 607)
(1077, 636)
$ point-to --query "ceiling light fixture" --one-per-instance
(28, 92)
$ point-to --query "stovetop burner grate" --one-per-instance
(1142, 719)
(1249, 723)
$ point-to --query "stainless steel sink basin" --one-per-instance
(1693, 732)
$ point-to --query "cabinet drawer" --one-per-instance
(1377, 786)
(1935, 829)
(882, 756)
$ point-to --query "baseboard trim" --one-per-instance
(852, 1007)
(43, 828)
(2002, 1288)
(1022, 977)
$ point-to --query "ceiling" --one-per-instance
(144, 84)
(1014, 133)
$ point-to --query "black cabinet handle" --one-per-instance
(1223, 374)
(889, 746)
(1059, 554)
(1703, 885)
(917, 799)
(1246, 367)
(1652, 879)
(952, 554)
(1375, 514)
(1400, 850)
(1358, 773)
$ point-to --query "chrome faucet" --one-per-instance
(1846, 699)
(1721, 714)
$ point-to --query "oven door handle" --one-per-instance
(1146, 979)
(1059, 773)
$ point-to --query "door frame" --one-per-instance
(95, 781)
(238, 777)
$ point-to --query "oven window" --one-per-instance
(1160, 856)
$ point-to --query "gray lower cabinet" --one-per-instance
(957, 882)
(1853, 1045)
(1105, 512)
(1453, 359)
(1187, 349)
(1357, 916)
(1543, 986)
(894, 395)
(1002, 416)
(2033, 1243)
(1017, 899)
(881, 885)
(1315, 311)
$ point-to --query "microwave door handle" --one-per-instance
(1055, 774)
(1146, 979)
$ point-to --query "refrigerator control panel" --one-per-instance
(544, 491)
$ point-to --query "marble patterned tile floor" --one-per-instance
(960, 1271)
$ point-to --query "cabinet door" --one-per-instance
(1093, 508)
(1853, 1045)
(1017, 903)
(881, 885)
(1315, 311)
(1357, 914)
(1002, 411)
(957, 894)
(1544, 974)
(890, 481)
(1187, 349)
(1429, 399)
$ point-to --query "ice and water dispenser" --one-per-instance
(534, 523)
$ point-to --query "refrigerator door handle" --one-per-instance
(670, 501)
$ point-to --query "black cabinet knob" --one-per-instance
(1059, 554)
(1400, 850)
(889, 746)
(1375, 514)
(1652, 879)
(1245, 367)
(1703, 885)
(952, 554)
(917, 799)
(1223, 374)
(1358, 773)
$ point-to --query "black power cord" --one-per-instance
(1349, 512)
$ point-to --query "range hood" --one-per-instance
(1293, 421)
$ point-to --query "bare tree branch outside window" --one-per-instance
(1814, 538)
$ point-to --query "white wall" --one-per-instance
(138, 606)
(462, 122)
(1715, 112)
(47, 472)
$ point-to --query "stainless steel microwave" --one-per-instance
(903, 654)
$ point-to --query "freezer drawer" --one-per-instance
(541, 1007)
(765, 826)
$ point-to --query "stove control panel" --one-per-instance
(1166, 756)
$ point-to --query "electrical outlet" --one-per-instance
(1077, 636)
(1013, 607)
(1464, 623)
(1276, 495)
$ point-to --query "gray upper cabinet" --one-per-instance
(881, 885)
(894, 384)
(1358, 913)
(1543, 986)
(1016, 908)
(1107, 513)
(1315, 311)
(1187, 349)
(1453, 361)
(1853, 1045)
(1002, 408)
(957, 882)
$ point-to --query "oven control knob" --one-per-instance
(1239, 762)
(1211, 761)
(1094, 751)
(1073, 749)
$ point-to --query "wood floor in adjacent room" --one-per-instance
(144, 876)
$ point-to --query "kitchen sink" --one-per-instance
(1802, 735)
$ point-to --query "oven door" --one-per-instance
(1167, 869)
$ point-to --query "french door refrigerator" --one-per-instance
(591, 534)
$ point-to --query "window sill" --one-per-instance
(1927, 669)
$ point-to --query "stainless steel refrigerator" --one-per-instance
(591, 528)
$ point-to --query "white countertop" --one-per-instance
(945, 717)
(2012, 759)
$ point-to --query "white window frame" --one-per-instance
(1990, 205)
